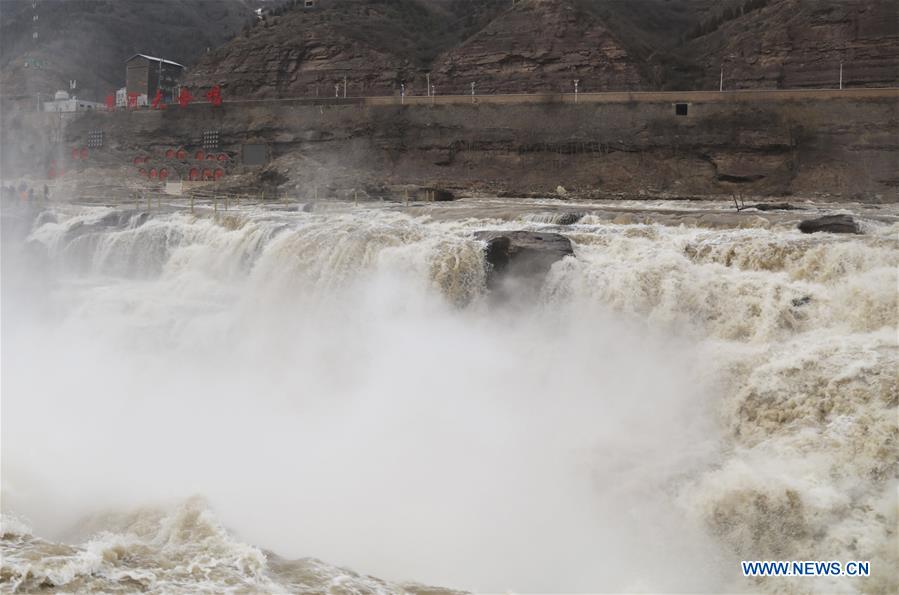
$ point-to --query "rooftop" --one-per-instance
(154, 59)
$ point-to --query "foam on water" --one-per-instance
(336, 384)
(183, 549)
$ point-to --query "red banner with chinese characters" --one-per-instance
(215, 96)
(184, 97)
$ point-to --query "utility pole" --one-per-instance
(841, 75)
(344, 86)
(402, 92)
(472, 91)
(721, 83)
(428, 79)
(576, 81)
(337, 90)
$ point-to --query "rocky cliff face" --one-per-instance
(543, 45)
(540, 45)
(516, 47)
(376, 45)
(800, 43)
(505, 46)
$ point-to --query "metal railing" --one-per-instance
(551, 98)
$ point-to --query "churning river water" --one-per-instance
(288, 401)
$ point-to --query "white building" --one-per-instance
(63, 103)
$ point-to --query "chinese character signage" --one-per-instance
(184, 97)
(215, 96)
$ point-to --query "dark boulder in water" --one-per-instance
(830, 223)
(774, 206)
(569, 218)
(522, 254)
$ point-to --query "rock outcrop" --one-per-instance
(373, 47)
(380, 46)
(539, 45)
(831, 223)
(801, 43)
(385, 46)
(522, 255)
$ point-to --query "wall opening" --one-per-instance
(681, 109)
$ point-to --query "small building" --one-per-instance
(63, 103)
(145, 74)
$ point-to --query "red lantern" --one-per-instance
(75, 153)
(207, 174)
(84, 152)
(170, 154)
(182, 154)
(219, 173)
(200, 156)
(194, 173)
(223, 157)
(153, 172)
(163, 174)
(142, 172)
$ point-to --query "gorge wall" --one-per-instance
(842, 144)
(788, 44)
